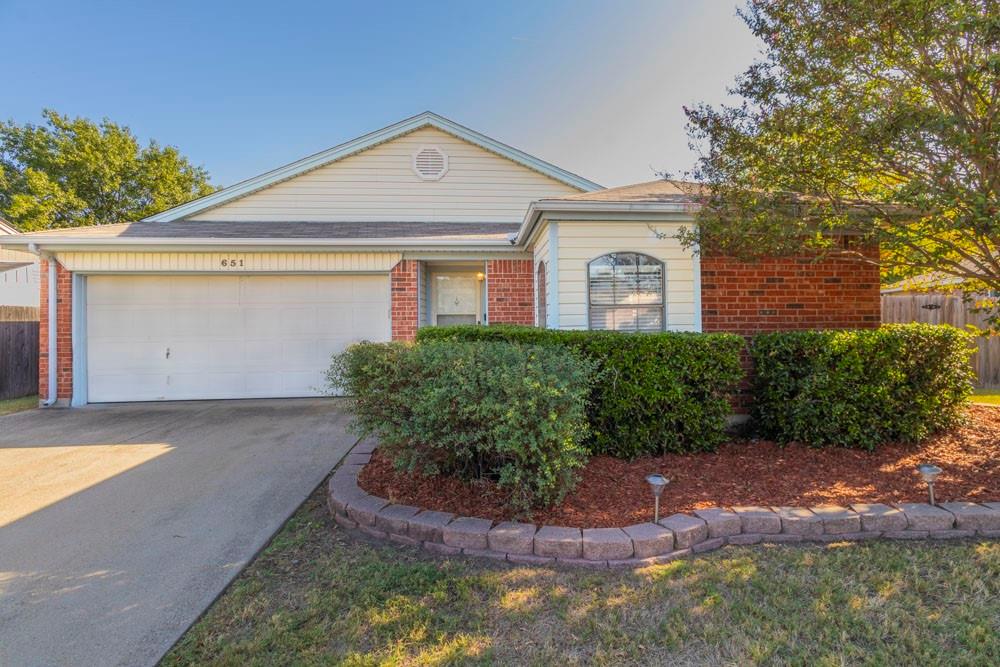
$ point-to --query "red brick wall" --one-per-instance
(788, 293)
(403, 284)
(510, 291)
(785, 294)
(64, 332)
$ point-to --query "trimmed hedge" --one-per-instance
(860, 388)
(655, 393)
(507, 412)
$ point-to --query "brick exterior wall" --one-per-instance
(404, 286)
(789, 293)
(64, 332)
(786, 294)
(510, 291)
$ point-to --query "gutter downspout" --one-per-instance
(53, 341)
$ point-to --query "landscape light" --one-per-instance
(929, 473)
(657, 483)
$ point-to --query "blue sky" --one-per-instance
(240, 88)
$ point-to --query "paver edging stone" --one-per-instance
(677, 536)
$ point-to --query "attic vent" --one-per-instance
(430, 163)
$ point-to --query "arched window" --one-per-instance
(626, 292)
(540, 315)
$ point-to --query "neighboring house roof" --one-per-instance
(661, 190)
(13, 259)
(8, 228)
(355, 146)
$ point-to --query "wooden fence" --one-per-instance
(936, 308)
(18, 351)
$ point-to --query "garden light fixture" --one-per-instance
(929, 473)
(657, 483)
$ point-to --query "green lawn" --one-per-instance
(319, 596)
(990, 396)
(17, 404)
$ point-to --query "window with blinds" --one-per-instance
(626, 292)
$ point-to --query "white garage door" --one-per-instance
(152, 338)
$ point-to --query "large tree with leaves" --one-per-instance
(70, 172)
(877, 118)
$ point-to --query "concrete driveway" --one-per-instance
(120, 524)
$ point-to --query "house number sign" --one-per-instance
(232, 263)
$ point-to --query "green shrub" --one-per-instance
(655, 393)
(502, 411)
(860, 388)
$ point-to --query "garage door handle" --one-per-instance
(168, 353)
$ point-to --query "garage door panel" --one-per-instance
(131, 386)
(264, 291)
(360, 287)
(113, 357)
(299, 355)
(260, 322)
(190, 321)
(228, 336)
(298, 321)
(335, 320)
(192, 355)
(369, 321)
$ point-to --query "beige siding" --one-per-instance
(541, 256)
(580, 242)
(245, 262)
(379, 184)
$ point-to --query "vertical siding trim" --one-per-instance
(79, 308)
(552, 276)
(52, 300)
(696, 267)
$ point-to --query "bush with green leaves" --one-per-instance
(502, 411)
(860, 388)
(655, 392)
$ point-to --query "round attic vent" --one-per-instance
(430, 163)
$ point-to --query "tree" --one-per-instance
(73, 172)
(877, 119)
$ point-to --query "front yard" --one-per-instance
(986, 396)
(12, 405)
(319, 596)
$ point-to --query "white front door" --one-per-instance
(457, 298)
(175, 337)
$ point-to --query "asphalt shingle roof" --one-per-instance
(187, 229)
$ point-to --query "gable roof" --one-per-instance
(355, 146)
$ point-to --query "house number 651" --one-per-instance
(231, 263)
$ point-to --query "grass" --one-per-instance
(988, 396)
(12, 405)
(319, 596)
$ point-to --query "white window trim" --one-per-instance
(663, 287)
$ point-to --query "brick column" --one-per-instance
(510, 291)
(403, 280)
(63, 333)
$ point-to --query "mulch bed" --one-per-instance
(612, 492)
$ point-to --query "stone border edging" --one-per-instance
(674, 537)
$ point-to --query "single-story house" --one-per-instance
(18, 273)
(248, 291)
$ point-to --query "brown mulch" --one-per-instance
(613, 492)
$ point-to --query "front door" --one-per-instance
(457, 298)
